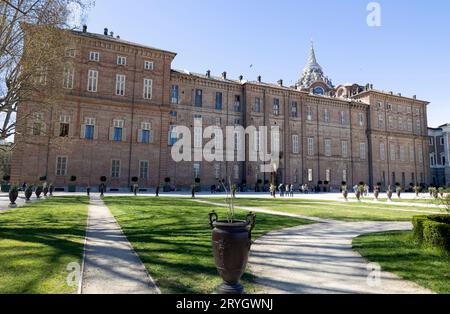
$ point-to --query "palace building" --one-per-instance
(122, 101)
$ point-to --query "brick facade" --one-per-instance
(347, 117)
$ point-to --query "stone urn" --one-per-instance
(389, 195)
(231, 242)
(13, 195)
(38, 191)
(28, 193)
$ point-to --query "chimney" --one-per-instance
(371, 86)
(224, 75)
(241, 77)
(118, 37)
(111, 34)
(399, 94)
(414, 96)
(259, 78)
(280, 82)
(208, 73)
(105, 32)
(392, 93)
(84, 28)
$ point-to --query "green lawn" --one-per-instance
(173, 239)
(398, 253)
(351, 211)
(38, 241)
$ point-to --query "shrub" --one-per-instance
(73, 178)
(433, 230)
(6, 178)
(197, 180)
(43, 178)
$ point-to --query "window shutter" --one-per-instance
(150, 134)
(111, 133)
(95, 132)
(70, 130)
(56, 129)
(124, 135)
(83, 131)
(139, 136)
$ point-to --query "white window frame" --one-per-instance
(295, 144)
(382, 151)
(116, 166)
(310, 146)
(149, 65)
(121, 60)
(94, 56)
(143, 165)
(196, 168)
(327, 148)
(392, 152)
(362, 151)
(310, 175)
(120, 84)
(236, 172)
(148, 89)
(360, 119)
(92, 84)
(344, 149)
(68, 76)
(61, 171)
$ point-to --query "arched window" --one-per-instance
(318, 91)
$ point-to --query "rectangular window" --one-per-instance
(64, 129)
(418, 126)
(257, 141)
(61, 166)
(326, 116)
(310, 175)
(148, 89)
(198, 98)
(89, 133)
(218, 101)
(344, 149)
(410, 125)
(94, 56)
(362, 151)
(236, 172)
(117, 134)
(71, 52)
(360, 119)
(344, 175)
(69, 74)
(295, 144)
(198, 137)
(411, 153)
(143, 169)
(327, 147)
(402, 153)
(380, 121)
(149, 65)
(420, 153)
(115, 168)
(121, 60)
(173, 136)
(342, 117)
(442, 141)
(37, 128)
(92, 81)
(196, 170)
(400, 123)
(145, 137)
(120, 85)
(391, 122)
(309, 113)
(310, 146)
(431, 141)
(217, 171)
(257, 104)
(237, 103)
(328, 175)
(174, 95)
(392, 152)
(382, 151)
(276, 107)
(276, 144)
(294, 109)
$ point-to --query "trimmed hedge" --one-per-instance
(433, 230)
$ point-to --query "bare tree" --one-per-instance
(32, 49)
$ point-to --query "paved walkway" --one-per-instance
(110, 264)
(319, 258)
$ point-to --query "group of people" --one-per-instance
(366, 189)
(285, 190)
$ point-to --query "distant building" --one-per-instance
(123, 100)
(438, 142)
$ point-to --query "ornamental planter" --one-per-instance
(231, 242)
(38, 192)
(28, 193)
(13, 195)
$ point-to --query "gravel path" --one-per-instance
(110, 264)
(319, 258)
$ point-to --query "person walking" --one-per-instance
(157, 191)
(291, 190)
(281, 189)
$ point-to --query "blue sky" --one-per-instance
(409, 53)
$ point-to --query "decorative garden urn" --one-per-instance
(45, 191)
(38, 192)
(13, 195)
(28, 193)
(231, 242)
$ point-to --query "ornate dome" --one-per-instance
(313, 73)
